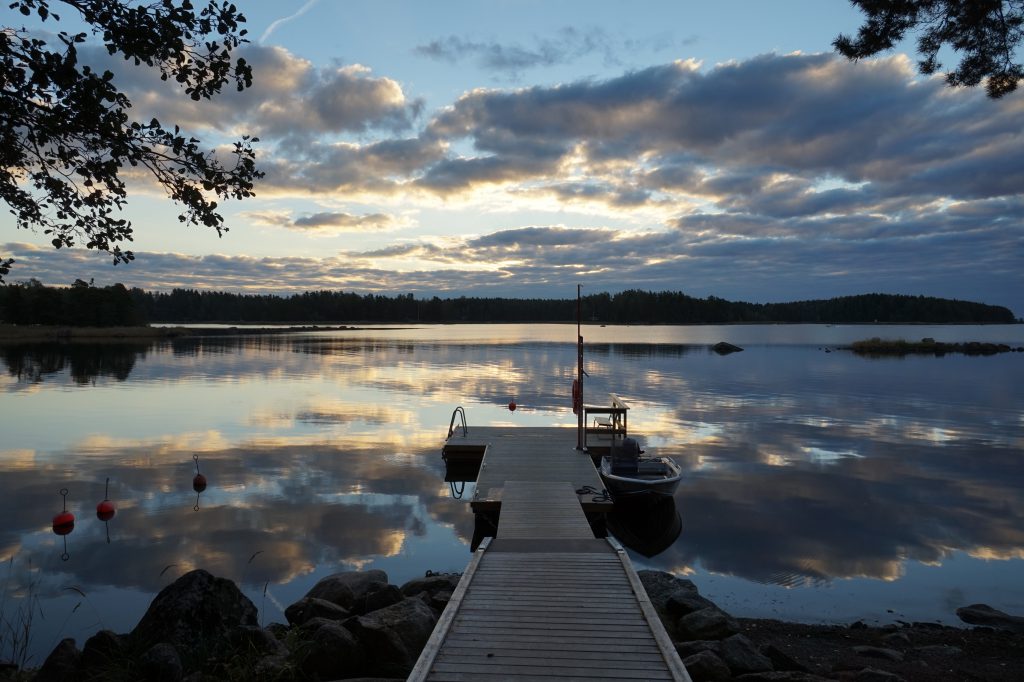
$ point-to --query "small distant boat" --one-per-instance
(627, 475)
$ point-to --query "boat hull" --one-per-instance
(656, 476)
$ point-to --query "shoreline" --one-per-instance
(145, 333)
(356, 624)
(874, 346)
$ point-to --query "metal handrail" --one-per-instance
(451, 425)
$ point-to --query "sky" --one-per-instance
(517, 148)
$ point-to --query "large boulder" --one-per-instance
(705, 666)
(740, 654)
(431, 584)
(393, 637)
(161, 663)
(683, 601)
(104, 650)
(308, 608)
(348, 588)
(377, 596)
(983, 614)
(62, 663)
(334, 653)
(196, 614)
(709, 623)
(660, 585)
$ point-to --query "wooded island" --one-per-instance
(84, 305)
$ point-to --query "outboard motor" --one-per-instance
(625, 457)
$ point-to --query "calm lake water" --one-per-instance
(820, 486)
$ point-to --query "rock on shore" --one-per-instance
(359, 625)
(714, 646)
(200, 627)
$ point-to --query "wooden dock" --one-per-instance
(525, 454)
(545, 599)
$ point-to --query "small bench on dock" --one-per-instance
(606, 422)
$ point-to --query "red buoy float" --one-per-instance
(105, 510)
(512, 406)
(64, 522)
(198, 481)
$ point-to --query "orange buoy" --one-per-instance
(198, 481)
(64, 522)
(105, 510)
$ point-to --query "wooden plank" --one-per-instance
(668, 649)
(586, 659)
(550, 671)
(541, 509)
(433, 645)
(452, 676)
(485, 631)
(555, 659)
(547, 642)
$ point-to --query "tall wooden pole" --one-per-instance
(580, 419)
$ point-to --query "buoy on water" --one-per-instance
(105, 510)
(512, 406)
(64, 522)
(198, 481)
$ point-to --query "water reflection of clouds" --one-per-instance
(348, 506)
(801, 467)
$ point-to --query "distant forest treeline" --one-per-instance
(83, 304)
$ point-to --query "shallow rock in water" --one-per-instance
(161, 663)
(706, 666)
(983, 614)
(62, 663)
(723, 348)
(740, 654)
(345, 589)
(393, 637)
(709, 623)
(196, 614)
(308, 608)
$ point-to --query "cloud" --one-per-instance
(568, 44)
(327, 222)
(290, 97)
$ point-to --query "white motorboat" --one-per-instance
(626, 474)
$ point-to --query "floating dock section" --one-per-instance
(544, 599)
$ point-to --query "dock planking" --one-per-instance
(541, 454)
(544, 599)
